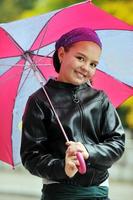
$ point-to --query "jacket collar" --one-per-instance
(57, 84)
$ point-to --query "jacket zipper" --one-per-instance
(77, 101)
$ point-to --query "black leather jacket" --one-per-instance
(87, 116)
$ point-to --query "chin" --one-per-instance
(79, 82)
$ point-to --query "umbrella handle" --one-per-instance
(82, 166)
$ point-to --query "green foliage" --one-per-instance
(126, 112)
(7, 10)
(25, 5)
(16, 9)
(122, 111)
(121, 9)
(42, 6)
(12, 9)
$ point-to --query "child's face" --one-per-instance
(78, 64)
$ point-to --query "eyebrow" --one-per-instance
(95, 61)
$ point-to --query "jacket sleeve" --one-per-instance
(112, 142)
(34, 145)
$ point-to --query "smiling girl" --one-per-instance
(89, 119)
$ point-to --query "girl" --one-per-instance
(89, 119)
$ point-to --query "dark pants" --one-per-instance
(45, 198)
(64, 192)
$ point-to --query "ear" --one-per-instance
(61, 53)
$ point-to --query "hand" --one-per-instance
(71, 164)
(74, 147)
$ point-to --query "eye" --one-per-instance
(93, 65)
(80, 58)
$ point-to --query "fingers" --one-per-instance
(69, 143)
(72, 159)
(71, 165)
(74, 147)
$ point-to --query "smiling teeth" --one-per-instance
(80, 75)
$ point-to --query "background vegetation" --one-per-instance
(123, 9)
(16, 9)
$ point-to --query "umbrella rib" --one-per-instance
(45, 26)
(41, 40)
(47, 23)
(8, 65)
(40, 78)
(12, 39)
(23, 82)
(41, 58)
(11, 77)
(21, 65)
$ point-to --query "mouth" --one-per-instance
(80, 75)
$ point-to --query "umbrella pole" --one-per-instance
(37, 74)
(41, 79)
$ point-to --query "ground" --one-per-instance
(23, 186)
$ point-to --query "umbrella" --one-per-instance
(30, 42)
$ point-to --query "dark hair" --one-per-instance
(56, 61)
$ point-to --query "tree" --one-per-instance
(12, 9)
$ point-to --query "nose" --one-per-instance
(85, 67)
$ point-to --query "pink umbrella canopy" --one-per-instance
(29, 41)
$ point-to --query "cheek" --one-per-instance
(70, 64)
(66, 68)
(92, 72)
